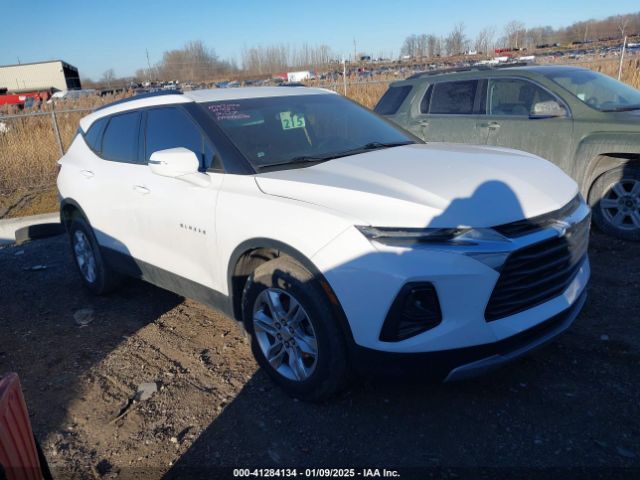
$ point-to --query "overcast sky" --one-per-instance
(97, 35)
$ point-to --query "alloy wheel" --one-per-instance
(285, 334)
(621, 204)
(84, 256)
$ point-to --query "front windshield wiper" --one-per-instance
(296, 161)
(330, 156)
(626, 108)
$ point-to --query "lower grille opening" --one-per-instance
(415, 310)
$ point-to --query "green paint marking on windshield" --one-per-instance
(289, 120)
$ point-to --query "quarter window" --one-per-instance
(514, 97)
(94, 134)
(453, 97)
(120, 141)
(392, 99)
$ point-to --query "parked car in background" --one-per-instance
(585, 122)
(335, 237)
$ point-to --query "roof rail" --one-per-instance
(139, 97)
(473, 68)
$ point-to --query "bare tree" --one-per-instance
(108, 77)
(514, 32)
(433, 46)
(623, 23)
(275, 58)
(410, 46)
(485, 40)
(193, 62)
(457, 41)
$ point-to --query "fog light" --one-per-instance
(415, 310)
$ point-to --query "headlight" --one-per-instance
(447, 236)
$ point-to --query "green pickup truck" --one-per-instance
(585, 122)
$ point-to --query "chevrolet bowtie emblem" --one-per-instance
(561, 227)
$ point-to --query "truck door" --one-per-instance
(510, 120)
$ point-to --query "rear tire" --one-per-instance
(95, 273)
(300, 346)
(615, 201)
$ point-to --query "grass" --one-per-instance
(29, 150)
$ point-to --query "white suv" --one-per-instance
(337, 239)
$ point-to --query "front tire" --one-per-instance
(615, 202)
(95, 273)
(295, 335)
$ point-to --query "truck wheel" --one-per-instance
(96, 275)
(295, 335)
(615, 200)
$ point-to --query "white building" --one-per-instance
(25, 77)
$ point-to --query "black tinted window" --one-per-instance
(94, 135)
(392, 99)
(514, 97)
(426, 100)
(120, 140)
(171, 128)
(453, 97)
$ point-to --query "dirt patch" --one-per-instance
(572, 404)
(25, 203)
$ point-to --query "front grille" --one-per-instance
(538, 273)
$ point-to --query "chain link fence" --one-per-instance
(30, 145)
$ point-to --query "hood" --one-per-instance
(436, 185)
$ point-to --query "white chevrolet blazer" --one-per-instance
(339, 240)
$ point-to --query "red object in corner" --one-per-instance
(18, 454)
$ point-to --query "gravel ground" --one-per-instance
(84, 362)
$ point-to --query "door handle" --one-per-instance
(423, 123)
(141, 189)
(87, 173)
(490, 125)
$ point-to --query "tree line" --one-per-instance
(516, 35)
(195, 62)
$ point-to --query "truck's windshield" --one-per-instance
(597, 90)
(297, 129)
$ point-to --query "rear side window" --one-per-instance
(94, 135)
(392, 99)
(453, 97)
(120, 140)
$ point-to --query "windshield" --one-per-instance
(597, 90)
(294, 130)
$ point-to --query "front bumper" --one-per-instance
(463, 363)
(366, 278)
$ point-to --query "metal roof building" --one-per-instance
(24, 77)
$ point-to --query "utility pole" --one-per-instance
(624, 43)
(148, 65)
(344, 75)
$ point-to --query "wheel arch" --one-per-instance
(599, 152)
(68, 206)
(604, 162)
(247, 256)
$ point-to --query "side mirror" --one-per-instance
(547, 109)
(174, 162)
